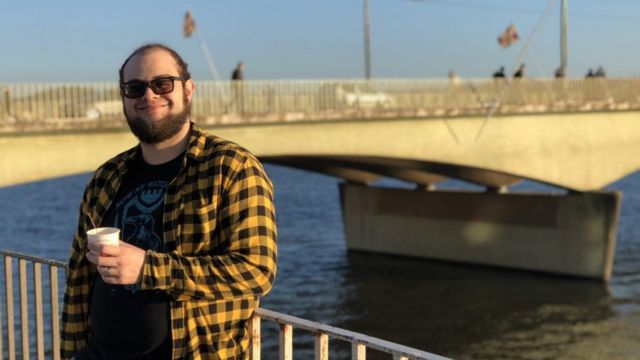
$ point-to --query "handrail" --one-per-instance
(87, 105)
(359, 342)
(356, 339)
(34, 259)
(39, 312)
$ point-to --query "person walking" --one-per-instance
(520, 73)
(237, 76)
(238, 72)
(198, 233)
(600, 72)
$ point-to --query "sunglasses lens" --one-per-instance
(137, 88)
(134, 89)
(162, 86)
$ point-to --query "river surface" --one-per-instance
(463, 312)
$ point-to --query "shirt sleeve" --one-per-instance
(75, 310)
(247, 267)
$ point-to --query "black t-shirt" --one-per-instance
(126, 322)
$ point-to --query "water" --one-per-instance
(465, 312)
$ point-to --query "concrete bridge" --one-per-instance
(572, 233)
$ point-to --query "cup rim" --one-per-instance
(107, 230)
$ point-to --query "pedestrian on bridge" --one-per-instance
(600, 72)
(237, 77)
(520, 73)
(589, 74)
(198, 233)
(238, 72)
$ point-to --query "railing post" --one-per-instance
(1, 333)
(358, 351)
(55, 325)
(254, 329)
(37, 287)
(24, 309)
(49, 100)
(8, 277)
(321, 346)
(6, 97)
(286, 343)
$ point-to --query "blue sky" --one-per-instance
(75, 40)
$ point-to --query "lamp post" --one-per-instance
(563, 35)
(367, 42)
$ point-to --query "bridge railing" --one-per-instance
(39, 302)
(220, 102)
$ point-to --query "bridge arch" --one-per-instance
(368, 169)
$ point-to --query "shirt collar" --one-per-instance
(197, 141)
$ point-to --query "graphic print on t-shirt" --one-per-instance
(139, 214)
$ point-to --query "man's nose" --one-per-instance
(148, 93)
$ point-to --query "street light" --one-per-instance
(367, 42)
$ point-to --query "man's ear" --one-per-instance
(189, 88)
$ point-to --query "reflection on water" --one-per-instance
(472, 312)
(465, 312)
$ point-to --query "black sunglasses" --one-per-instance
(160, 86)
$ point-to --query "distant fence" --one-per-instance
(248, 101)
(43, 309)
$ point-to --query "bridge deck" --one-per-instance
(582, 152)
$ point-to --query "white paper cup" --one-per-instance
(104, 235)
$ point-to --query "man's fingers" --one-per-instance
(110, 275)
(108, 261)
(119, 264)
(107, 271)
(110, 250)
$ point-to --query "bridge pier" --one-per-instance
(572, 234)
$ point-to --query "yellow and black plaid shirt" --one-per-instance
(220, 232)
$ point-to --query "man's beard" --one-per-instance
(154, 132)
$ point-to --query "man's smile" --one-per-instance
(150, 107)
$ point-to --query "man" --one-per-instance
(198, 233)
(600, 72)
(238, 72)
(237, 76)
(500, 73)
(520, 72)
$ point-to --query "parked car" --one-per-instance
(354, 96)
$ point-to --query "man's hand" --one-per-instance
(120, 265)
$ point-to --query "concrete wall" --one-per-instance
(42, 156)
(581, 151)
(571, 234)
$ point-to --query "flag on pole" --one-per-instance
(509, 36)
(189, 25)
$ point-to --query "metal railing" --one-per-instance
(250, 101)
(28, 291)
(9, 323)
